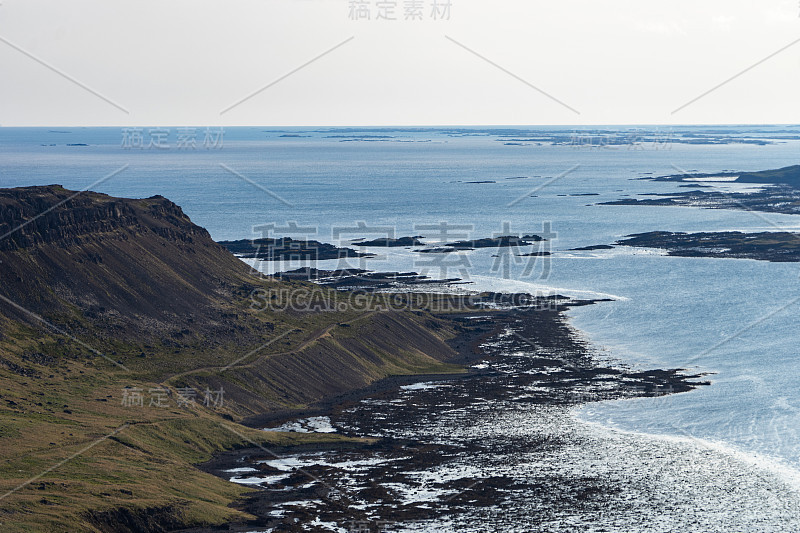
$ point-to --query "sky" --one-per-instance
(323, 63)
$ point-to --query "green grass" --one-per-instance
(149, 463)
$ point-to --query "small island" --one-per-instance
(504, 241)
(779, 247)
(782, 194)
(288, 249)
(387, 242)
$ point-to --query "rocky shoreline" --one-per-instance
(772, 199)
(773, 246)
(288, 249)
(526, 356)
(778, 247)
(781, 193)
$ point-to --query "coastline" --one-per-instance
(575, 380)
(779, 470)
(465, 344)
(29, 374)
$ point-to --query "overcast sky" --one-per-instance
(187, 62)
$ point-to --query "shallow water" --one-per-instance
(486, 454)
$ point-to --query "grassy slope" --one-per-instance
(59, 409)
(133, 281)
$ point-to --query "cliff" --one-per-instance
(101, 296)
(134, 266)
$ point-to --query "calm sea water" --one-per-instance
(733, 318)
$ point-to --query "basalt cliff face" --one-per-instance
(101, 296)
(136, 278)
(134, 266)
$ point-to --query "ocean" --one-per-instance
(736, 320)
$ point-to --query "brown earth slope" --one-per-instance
(141, 265)
(102, 295)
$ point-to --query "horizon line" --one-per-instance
(409, 126)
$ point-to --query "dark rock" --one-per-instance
(288, 249)
(392, 243)
(765, 246)
(590, 248)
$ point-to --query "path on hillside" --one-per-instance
(315, 336)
